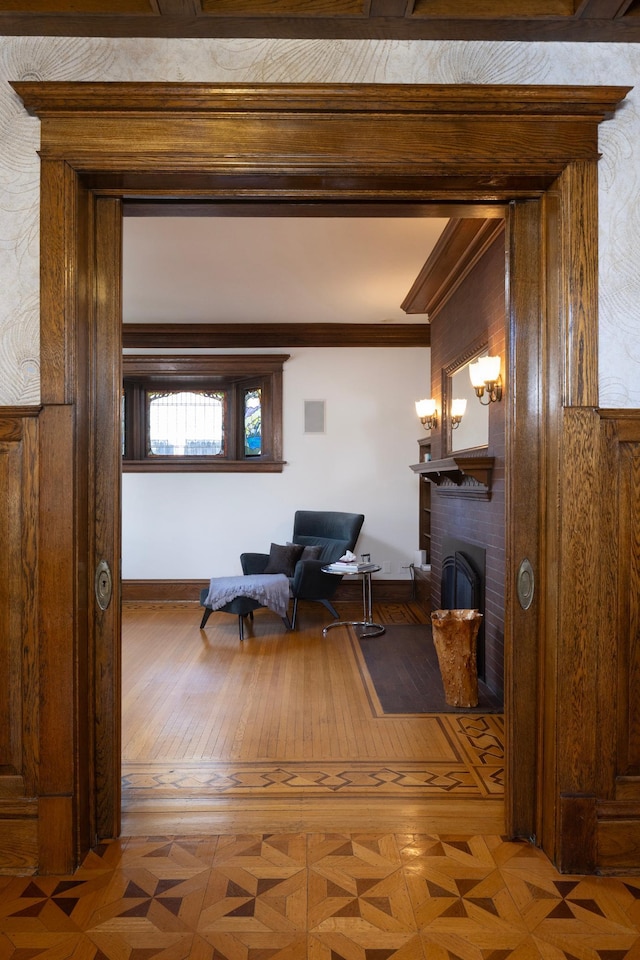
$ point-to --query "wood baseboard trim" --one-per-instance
(163, 590)
(389, 591)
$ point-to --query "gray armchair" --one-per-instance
(328, 534)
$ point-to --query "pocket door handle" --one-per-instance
(525, 584)
(103, 584)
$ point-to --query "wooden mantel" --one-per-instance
(459, 475)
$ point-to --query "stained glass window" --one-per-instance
(202, 413)
(252, 423)
(186, 423)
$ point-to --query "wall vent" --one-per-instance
(314, 416)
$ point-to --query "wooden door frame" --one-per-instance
(534, 148)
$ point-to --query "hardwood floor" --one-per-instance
(319, 896)
(277, 733)
(228, 874)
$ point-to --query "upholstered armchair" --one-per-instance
(321, 536)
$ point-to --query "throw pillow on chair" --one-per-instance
(283, 558)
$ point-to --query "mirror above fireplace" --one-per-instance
(472, 432)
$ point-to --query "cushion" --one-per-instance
(283, 558)
(330, 549)
(310, 552)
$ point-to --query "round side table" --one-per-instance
(370, 628)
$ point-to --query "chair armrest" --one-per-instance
(310, 583)
(252, 563)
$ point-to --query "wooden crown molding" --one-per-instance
(190, 367)
(558, 125)
(461, 245)
(260, 335)
(508, 100)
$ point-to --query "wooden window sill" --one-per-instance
(202, 465)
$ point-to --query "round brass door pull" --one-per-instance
(103, 585)
(525, 584)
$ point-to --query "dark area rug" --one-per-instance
(403, 670)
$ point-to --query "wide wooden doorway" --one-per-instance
(532, 148)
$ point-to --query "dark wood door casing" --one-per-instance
(532, 147)
(106, 491)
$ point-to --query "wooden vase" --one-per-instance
(454, 636)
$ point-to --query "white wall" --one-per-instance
(192, 526)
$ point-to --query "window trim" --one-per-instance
(230, 371)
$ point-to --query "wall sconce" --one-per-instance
(458, 407)
(426, 410)
(485, 376)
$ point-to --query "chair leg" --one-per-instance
(295, 613)
(241, 626)
(330, 607)
(207, 613)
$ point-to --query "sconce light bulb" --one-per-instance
(485, 375)
(476, 375)
(458, 407)
(490, 368)
(425, 408)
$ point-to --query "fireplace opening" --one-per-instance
(462, 585)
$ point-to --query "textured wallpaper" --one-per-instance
(322, 61)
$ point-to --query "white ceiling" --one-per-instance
(278, 270)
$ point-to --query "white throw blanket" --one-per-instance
(269, 589)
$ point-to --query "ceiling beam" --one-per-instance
(602, 9)
(390, 8)
(179, 8)
(591, 26)
(260, 335)
(268, 208)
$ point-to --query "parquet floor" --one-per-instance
(470, 764)
(322, 896)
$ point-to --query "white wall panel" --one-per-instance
(191, 526)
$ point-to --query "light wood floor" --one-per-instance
(278, 732)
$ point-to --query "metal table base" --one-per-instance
(369, 626)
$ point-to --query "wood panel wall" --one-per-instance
(474, 310)
(617, 579)
(19, 712)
